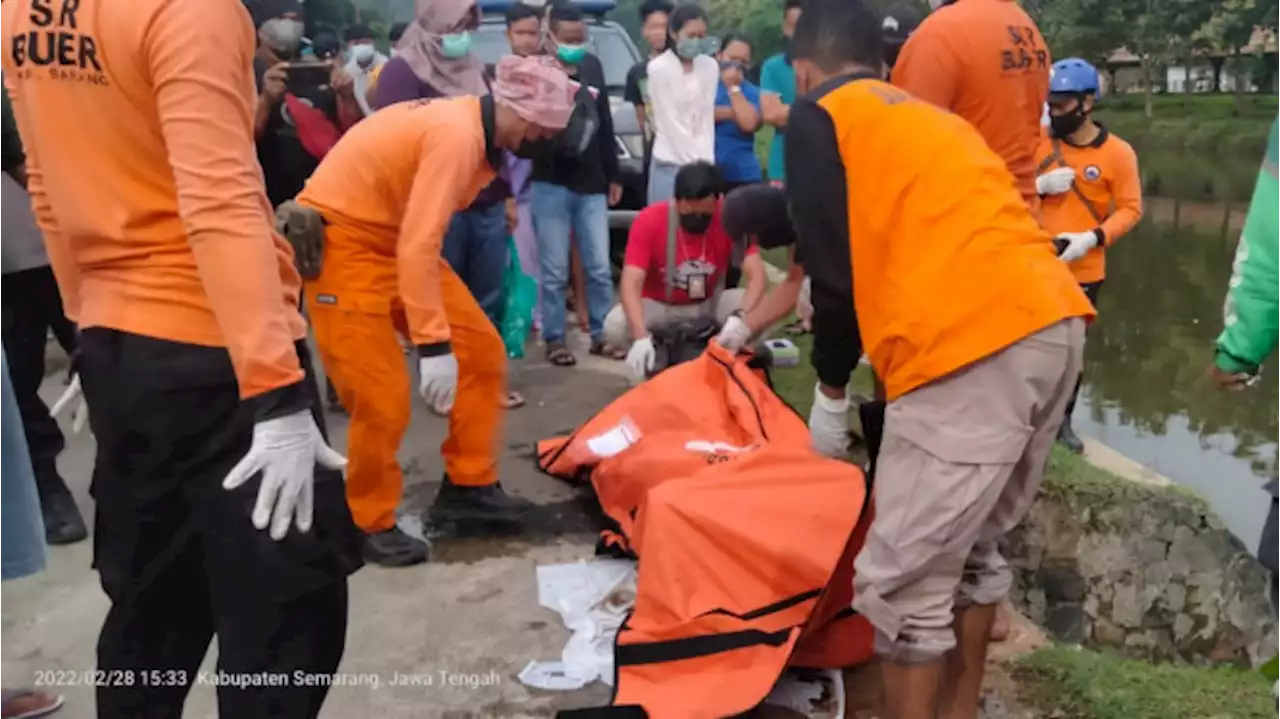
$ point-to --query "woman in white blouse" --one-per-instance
(682, 89)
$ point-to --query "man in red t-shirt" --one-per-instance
(703, 252)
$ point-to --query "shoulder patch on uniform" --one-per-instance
(1092, 172)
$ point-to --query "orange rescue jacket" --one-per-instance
(747, 537)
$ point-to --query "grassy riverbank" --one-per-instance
(1070, 683)
(1073, 683)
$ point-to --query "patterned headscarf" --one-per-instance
(537, 88)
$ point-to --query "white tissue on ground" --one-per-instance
(592, 598)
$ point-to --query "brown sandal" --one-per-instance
(559, 355)
(512, 400)
(608, 351)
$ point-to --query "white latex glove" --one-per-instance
(734, 334)
(640, 358)
(829, 424)
(1078, 245)
(1055, 182)
(438, 381)
(286, 451)
(79, 415)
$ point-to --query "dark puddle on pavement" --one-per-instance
(465, 542)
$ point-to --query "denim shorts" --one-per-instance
(22, 551)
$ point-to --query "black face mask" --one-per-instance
(535, 149)
(571, 142)
(891, 52)
(1064, 125)
(695, 223)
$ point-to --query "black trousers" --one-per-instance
(32, 307)
(177, 554)
(1091, 291)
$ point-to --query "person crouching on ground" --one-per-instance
(1090, 189)
(386, 193)
(756, 216)
(968, 316)
(676, 260)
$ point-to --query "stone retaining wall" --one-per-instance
(1146, 570)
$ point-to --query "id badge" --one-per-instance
(697, 287)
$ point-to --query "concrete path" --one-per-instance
(443, 640)
(454, 633)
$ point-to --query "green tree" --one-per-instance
(1231, 28)
(1160, 31)
(1089, 29)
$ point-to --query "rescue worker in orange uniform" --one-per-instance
(1090, 188)
(219, 507)
(972, 322)
(386, 193)
(986, 61)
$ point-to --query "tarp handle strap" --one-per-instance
(674, 650)
(628, 711)
(1056, 157)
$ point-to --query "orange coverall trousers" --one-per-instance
(361, 352)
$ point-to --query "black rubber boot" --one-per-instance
(1067, 438)
(394, 548)
(489, 503)
(62, 521)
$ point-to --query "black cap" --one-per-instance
(264, 10)
(900, 20)
(760, 211)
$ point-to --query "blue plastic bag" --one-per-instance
(520, 293)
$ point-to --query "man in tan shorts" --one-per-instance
(969, 318)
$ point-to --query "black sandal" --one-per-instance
(608, 351)
(559, 355)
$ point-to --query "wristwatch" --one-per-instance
(735, 89)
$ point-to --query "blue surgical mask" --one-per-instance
(456, 45)
(571, 54)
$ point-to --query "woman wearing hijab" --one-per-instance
(433, 59)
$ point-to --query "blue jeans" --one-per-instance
(558, 214)
(22, 525)
(476, 248)
(662, 181)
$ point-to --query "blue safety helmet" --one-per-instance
(1073, 76)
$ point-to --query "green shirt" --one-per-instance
(1251, 310)
(779, 78)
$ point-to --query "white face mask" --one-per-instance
(363, 54)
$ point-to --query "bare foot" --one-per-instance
(1000, 627)
(29, 704)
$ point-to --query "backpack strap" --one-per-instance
(673, 225)
(1055, 157)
